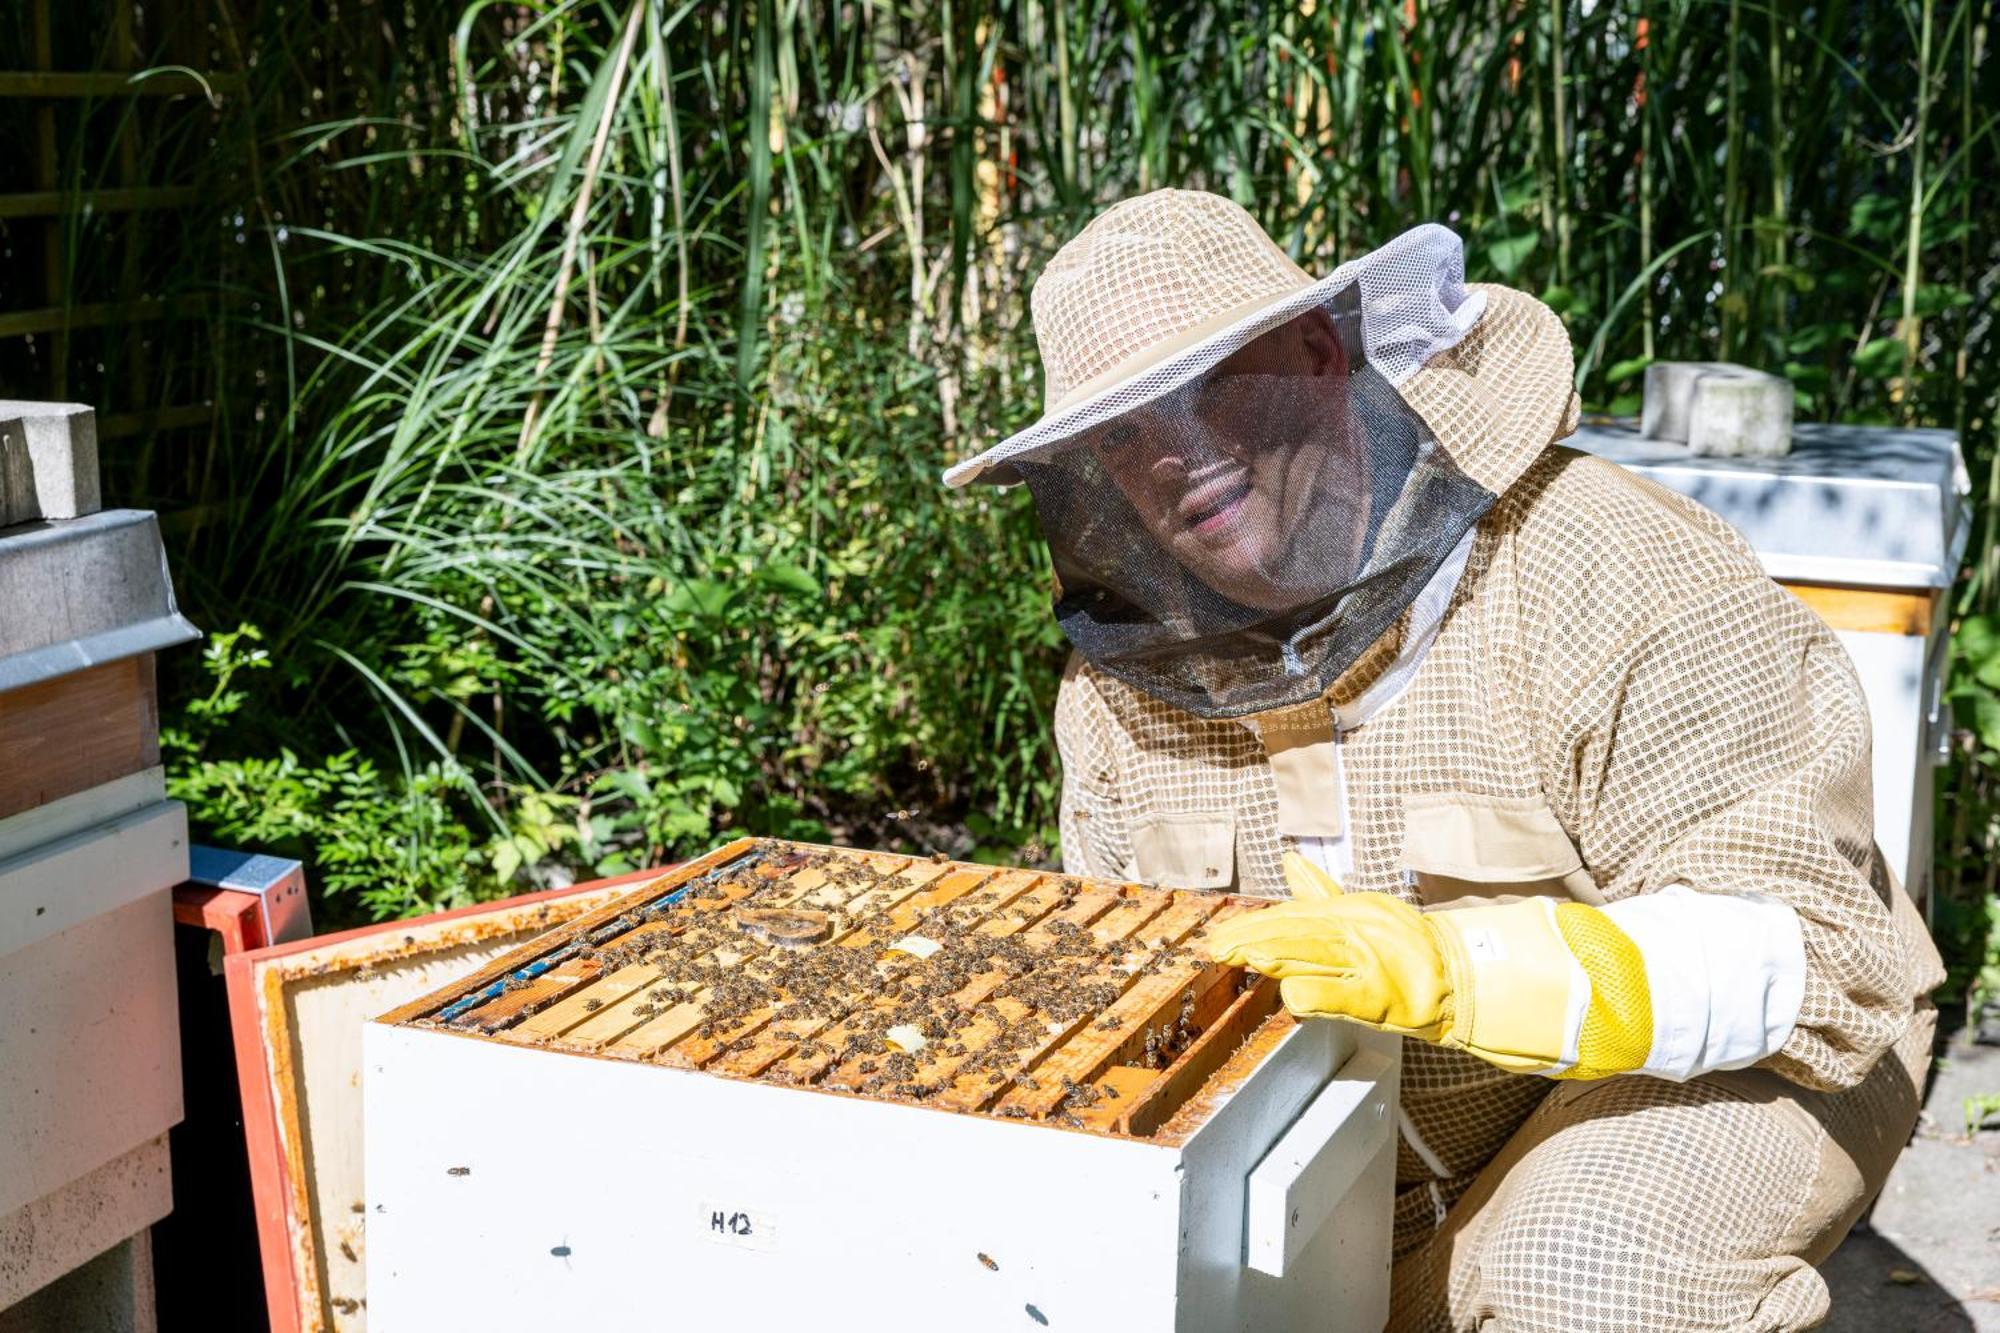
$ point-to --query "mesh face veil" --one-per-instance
(1245, 474)
(1236, 542)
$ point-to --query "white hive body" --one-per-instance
(1168, 1151)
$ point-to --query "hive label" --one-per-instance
(729, 1223)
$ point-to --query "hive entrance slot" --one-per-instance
(1022, 994)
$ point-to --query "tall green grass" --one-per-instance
(588, 379)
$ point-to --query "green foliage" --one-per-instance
(585, 370)
(1968, 922)
(391, 848)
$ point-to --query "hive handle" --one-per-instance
(1297, 1185)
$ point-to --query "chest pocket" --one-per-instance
(1462, 850)
(1185, 849)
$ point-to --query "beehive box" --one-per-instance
(297, 1010)
(794, 1082)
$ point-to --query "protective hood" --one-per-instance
(1238, 507)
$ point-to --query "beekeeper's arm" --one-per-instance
(1716, 766)
(1720, 768)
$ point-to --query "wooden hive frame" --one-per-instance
(1073, 1002)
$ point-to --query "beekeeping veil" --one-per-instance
(1245, 475)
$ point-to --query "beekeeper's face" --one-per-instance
(1252, 478)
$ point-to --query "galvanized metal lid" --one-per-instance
(82, 592)
(1869, 505)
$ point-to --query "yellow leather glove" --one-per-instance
(1494, 981)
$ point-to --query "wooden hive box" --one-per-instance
(789, 1081)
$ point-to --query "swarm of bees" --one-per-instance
(747, 951)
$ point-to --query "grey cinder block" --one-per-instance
(1746, 414)
(1718, 409)
(48, 461)
(1670, 397)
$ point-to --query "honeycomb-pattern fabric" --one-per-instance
(1614, 651)
(1617, 1030)
(1497, 396)
(1637, 1203)
(1160, 288)
(1143, 271)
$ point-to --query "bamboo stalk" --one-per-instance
(750, 309)
(1732, 157)
(44, 83)
(663, 75)
(1775, 75)
(55, 286)
(1647, 319)
(579, 213)
(1972, 37)
(117, 199)
(1065, 107)
(1558, 25)
(1909, 327)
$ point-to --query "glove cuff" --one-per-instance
(1518, 995)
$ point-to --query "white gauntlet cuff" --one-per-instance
(1726, 972)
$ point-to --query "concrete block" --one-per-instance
(1742, 414)
(1718, 409)
(90, 1056)
(113, 1293)
(48, 462)
(1669, 397)
(43, 1241)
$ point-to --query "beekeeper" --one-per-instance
(1562, 787)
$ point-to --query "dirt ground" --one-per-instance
(1928, 1260)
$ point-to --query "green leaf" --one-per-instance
(1879, 358)
(1808, 379)
(1935, 298)
(1877, 216)
(1509, 252)
(1627, 368)
(1986, 719)
(639, 731)
(1814, 337)
(1978, 645)
(705, 599)
(789, 578)
(626, 782)
(1798, 279)
(1522, 192)
(506, 859)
